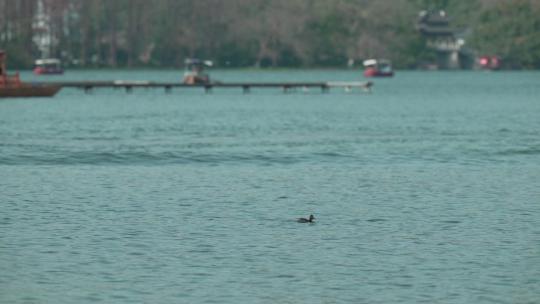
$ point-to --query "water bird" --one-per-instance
(305, 220)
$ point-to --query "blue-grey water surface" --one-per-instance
(425, 191)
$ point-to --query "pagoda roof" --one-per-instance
(435, 30)
(433, 18)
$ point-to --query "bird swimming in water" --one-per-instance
(305, 220)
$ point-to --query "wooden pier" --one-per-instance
(246, 87)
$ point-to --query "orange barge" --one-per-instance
(12, 86)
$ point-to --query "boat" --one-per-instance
(378, 68)
(29, 90)
(194, 73)
(12, 86)
(48, 66)
(489, 62)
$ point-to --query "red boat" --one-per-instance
(489, 62)
(12, 86)
(378, 68)
(49, 66)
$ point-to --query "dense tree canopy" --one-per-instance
(162, 33)
(512, 31)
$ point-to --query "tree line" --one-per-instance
(241, 33)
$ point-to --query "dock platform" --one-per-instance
(246, 87)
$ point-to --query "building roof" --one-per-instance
(433, 18)
(435, 30)
(434, 23)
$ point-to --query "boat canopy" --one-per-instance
(370, 62)
(375, 62)
(48, 61)
(190, 62)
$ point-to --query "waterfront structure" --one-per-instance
(440, 37)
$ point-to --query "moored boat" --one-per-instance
(29, 90)
(12, 86)
(194, 73)
(48, 66)
(378, 68)
(489, 62)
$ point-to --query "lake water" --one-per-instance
(425, 191)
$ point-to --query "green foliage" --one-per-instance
(237, 54)
(328, 37)
(260, 32)
(511, 30)
(18, 57)
(289, 58)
